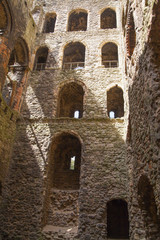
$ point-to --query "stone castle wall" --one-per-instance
(143, 75)
(31, 206)
(103, 174)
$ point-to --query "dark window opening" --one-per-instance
(17, 65)
(146, 200)
(49, 24)
(74, 56)
(108, 19)
(110, 55)
(67, 161)
(70, 102)
(13, 57)
(19, 55)
(115, 102)
(117, 219)
(41, 58)
(3, 19)
(77, 21)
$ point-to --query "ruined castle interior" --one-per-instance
(79, 119)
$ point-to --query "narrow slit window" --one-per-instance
(72, 163)
(76, 114)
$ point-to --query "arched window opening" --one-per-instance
(78, 21)
(131, 35)
(108, 19)
(49, 23)
(17, 66)
(117, 219)
(63, 179)
(5, 18)
(70, 102)
(74, 56)
(146, 200)
(110, 55)
(19, 55)
(115, 102)
(41, 59)
(67, 162)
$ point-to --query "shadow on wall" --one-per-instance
(61, 96)
(144, 101)
(22, 196)
(146, 200)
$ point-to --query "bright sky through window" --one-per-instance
(76, 114)
(72, 163)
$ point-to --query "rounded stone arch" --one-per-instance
(41, 57)
(70, 99)
(62, 84)
(6, 20)
(115, 102)
(108, 18)
(72, 132)
(49, 22)
(17, 66)
(109, 53)
(77, 20)
(65, 161)
(66, 182)
(20, 53)
(117, 219)
(147, 204)
(74, 55)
